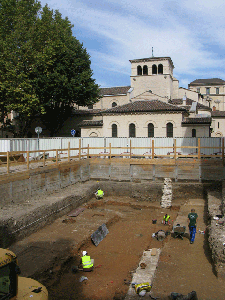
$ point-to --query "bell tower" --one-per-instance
(154, 73)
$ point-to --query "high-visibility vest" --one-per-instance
(142, 286)
(100, 193)
(166, 218)
(86, 262)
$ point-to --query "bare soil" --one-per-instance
(182, 266)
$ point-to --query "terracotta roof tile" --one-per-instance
(189, 103)
(90, 123)
(86, 111)
(206, 120)
(210, 81)
(218, 114)
(112, 91)
(144, 106)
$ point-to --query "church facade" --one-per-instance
(152, 106)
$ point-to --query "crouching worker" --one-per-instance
(87, 262)
(99, 194)
(166, 219)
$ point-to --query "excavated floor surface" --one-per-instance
(182, 267)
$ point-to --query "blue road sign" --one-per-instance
(73, 132)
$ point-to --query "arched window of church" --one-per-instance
(154, 69)
(114, 104)
(150, 130)
(145, 70)
(193, 132)
(169, 130)
(160, 69)
(139, 70)
(114, 130)
(132, 131)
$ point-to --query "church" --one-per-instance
(152, 106)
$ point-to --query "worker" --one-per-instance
(87, 262)
(99, 194)
(192, 222)
(166, 219)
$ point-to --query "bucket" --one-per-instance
(154, 221)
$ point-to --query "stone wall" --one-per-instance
(216, 231)
(15, 188)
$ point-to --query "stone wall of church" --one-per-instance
(189, 94)
(92, 132)
(212, 94)
(218, 125)
(141, 122)
(161, 85)
(175, 94)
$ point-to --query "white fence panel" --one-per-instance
(93, 142)
(118, 142)
(163, 142)
(4, 145)
(187, 142)
(74, 143)
(211, 142)
(140, 142)
(62, 143)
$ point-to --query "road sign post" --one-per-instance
(73, 132)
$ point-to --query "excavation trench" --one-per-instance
(181, 268)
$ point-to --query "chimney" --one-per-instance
(184, 100)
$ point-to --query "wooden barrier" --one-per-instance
(8, 158)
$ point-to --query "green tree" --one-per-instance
(44, 69)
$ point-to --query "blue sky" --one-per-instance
(191, 32)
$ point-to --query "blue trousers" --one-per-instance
(192, 231)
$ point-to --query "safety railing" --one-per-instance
(174, 152)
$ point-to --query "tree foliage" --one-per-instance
(44, 69)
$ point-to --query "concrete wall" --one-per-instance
(16, 188)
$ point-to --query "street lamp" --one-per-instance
(38, 130)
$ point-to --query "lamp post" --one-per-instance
(38, 130)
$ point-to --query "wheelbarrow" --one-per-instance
(179, 231)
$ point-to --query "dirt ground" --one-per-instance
(182, 266)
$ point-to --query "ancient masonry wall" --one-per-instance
(216, 230)
(166, 200)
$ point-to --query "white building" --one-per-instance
(152, 106)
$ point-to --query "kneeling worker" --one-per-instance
(99, 194)
(166, 219)
(87, 262)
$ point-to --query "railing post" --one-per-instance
(153, 150)
(68, 151)
(88, 151)
(44, 158)
(130, 149)
(28, 161)
(57, 156)
(199, 148)
(175, 148)
(223, 150)
(8, 162)
(79, 149)
(110, 151)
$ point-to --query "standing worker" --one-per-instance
(166, 219)
(99, 194)
(87, 262)
(192, 222)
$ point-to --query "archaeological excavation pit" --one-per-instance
(127, 210)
